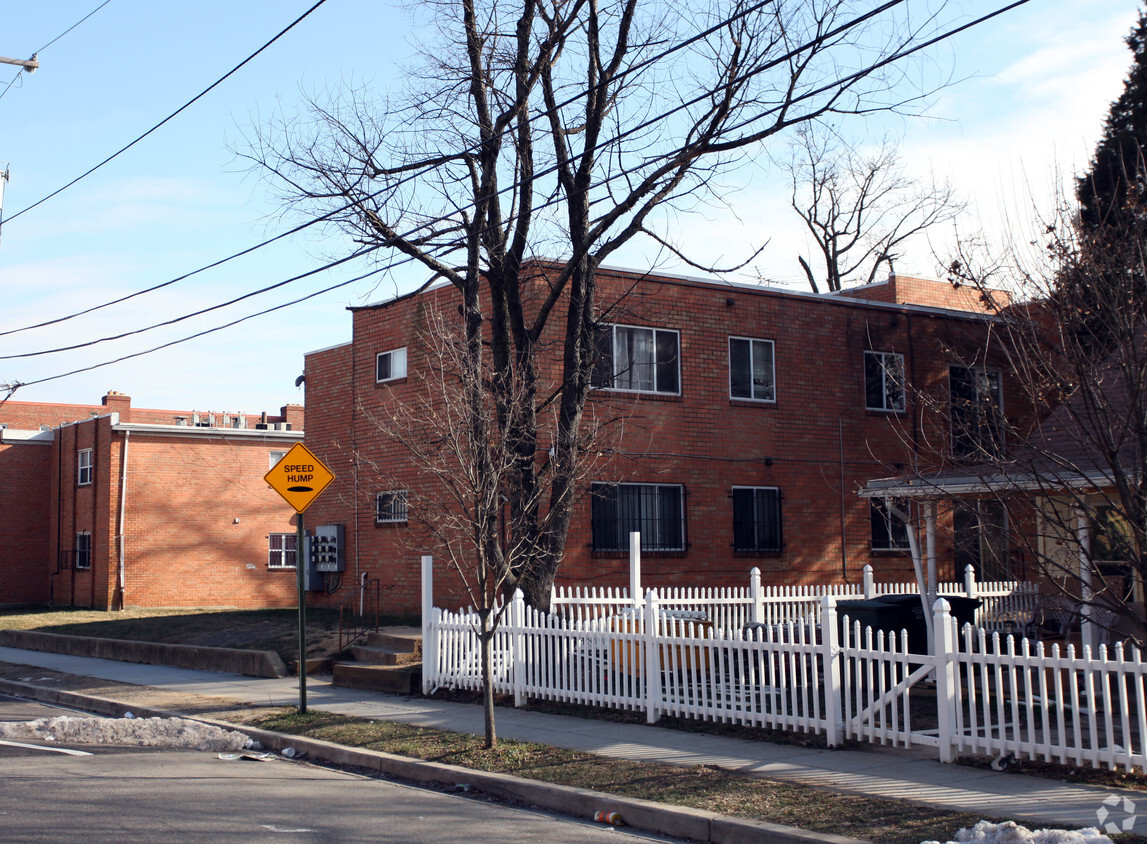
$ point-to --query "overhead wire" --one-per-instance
(400, 182)
(171, 116)
(407, 259)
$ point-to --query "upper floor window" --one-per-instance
(390, 365)
(976, 411)
(656, 511)
(751, 369)
(757, 519)
(84, 467)
(391, 506)
(282, 550)
(884, 381)
(646, 360)
(889, 529)
(274, 458)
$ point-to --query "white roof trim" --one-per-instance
(207, 433)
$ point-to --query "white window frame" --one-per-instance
(84, 465)
(623, 373)
(274, 458)
(278, 553)
(83, 550)
(890, 384)
(395, 365)
(767, 395)
(391, 507)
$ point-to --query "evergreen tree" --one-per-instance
(1117, 169)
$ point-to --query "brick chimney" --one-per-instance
(117, 402)
(293, 413)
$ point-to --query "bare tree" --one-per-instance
(860, 208)
(567, 127)
(466, 475)
(1075, 481)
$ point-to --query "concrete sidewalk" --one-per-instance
(877, 773)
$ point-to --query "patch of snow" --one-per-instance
(139, 732)
(1011, 832)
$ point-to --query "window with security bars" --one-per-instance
(757, 519)
(656, 511)
(282, 550)
(391, 507)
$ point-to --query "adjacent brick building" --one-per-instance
(750, 416)
(108, 506)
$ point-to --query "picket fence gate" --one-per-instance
(809, 670)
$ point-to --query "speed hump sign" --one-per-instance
(299, 477)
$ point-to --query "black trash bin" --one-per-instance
(893, 613)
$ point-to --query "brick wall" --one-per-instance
(24, 526)
(816, 442)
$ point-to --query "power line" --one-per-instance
(171, 116)
(407, 259)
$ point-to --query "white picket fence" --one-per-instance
(731, 608)
(806, 670)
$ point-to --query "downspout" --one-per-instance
(97, 464)
(843, 505)
(120, 579)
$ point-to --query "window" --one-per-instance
(84, 467)
(751, 374)
(756, 519)
(282, 550)
(83, 550)
(884, 381)
(980, 539)
(889, 530)
(274, 457)
(655, 511)
(974, 394)
(390, 507)
(645, 360)
(390, 366)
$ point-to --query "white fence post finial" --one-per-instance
(429, 638)
(970, 580)
(651, 658)
(869, 586)
(830, 656)
(518, 645)
(944, 650)
(756, 597)
(635, 568)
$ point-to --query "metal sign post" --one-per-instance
(299, 477)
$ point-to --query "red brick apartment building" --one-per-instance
(107, 506)
(751, 418)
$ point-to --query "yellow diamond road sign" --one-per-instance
(299, 477)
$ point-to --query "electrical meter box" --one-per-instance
(326, 549)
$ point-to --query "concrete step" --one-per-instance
(399, 680)
(374, 655)
(390, 640)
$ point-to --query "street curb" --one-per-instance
(647, 815)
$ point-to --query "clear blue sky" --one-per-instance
(1031, 92)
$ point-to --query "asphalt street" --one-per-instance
(128, 793)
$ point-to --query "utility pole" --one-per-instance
(29, 65)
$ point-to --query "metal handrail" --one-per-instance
(353, 625)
